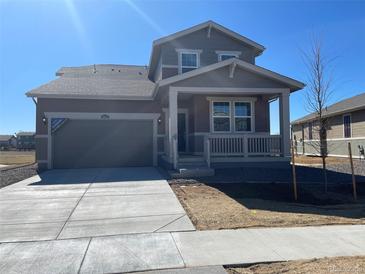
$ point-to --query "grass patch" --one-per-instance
(17, 157)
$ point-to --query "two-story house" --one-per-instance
(201, 100)
(25, 140)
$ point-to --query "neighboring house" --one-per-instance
(7, 142)
(201, 100)
(25, 140)
(345, 122)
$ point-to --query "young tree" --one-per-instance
(319, 90)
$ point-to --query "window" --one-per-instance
(242, 116)
(188, 60)
(221, 114)
(224, 55)
(347, 126)
(310, 131)
(232, 115)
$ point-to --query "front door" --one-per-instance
(181, 132)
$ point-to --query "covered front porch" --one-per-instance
(224, 125)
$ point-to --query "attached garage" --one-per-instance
(118, 142)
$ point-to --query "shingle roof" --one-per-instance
(25, 133)
(349, 104)
(107, 81)
(4, 138)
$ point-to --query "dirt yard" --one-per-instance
(313, 160)
(241, 205)
(17, 157)
(348, 265)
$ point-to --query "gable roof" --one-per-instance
(208, 24)
(292, 84)
(214, 25)
(99, 82)
(350, 104)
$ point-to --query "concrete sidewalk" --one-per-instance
(171, 250)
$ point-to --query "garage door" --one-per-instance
(100, 143)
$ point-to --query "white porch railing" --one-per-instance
(235, 145)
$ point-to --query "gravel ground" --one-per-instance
(353, 265)
(12, 175)
(359, 167)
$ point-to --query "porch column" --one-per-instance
(284, 123)
(172, 125)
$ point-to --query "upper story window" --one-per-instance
(224, 55)
(347, 126)
(188, 60)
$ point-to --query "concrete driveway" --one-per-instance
(64, 204)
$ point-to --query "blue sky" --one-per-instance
(38, 37)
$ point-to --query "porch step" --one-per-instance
(192, 172)
(191, 164)
(190, 167)
(190, 159)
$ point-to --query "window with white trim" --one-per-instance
(221, 116)
(347, 126)
(188, 60)
(242, 116)
(222, 57)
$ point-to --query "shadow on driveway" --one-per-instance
(98, 175)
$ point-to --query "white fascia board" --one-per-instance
(95, 97)
(99, 115)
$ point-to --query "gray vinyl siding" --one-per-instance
(334, 147)
(335, 126)
(197, 105)
(336, 143)
(358, 123)
(101, 106)
(220, 78)
(209, 46)
(169, 72)
(41, 148)
(335, 129)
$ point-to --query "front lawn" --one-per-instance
(241, 205)
(315, 266)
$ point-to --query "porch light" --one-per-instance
(44, 120)
(159, 120)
